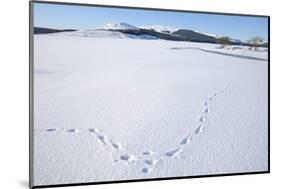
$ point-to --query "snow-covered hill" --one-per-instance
(160, 28)
(208, 34)
(117, 26)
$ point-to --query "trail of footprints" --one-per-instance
(148, 158)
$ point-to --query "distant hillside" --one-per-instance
(39, 30)
(124, 30)
(157, 35)
(189, 35)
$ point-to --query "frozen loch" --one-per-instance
(120, 108)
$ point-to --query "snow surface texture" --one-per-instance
(117, 109)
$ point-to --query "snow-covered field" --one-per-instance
(118, 109)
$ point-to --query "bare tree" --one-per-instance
(255, 42)
(224, 41)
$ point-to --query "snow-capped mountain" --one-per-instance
(117, 26)
(160, 28)
(124, 30)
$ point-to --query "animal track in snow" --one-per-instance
(102, 139)
(128, 158)
(147, 153)
(94, 130)
(199, 129)
(151, 162)
(115, 145)
(186, 140)
(125, 157)
(206, 110)
(74, 131)
(146, 170)
(173, 152)
(144, 159)
(202, 119)
(52, 129)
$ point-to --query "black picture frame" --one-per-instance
(31, 95)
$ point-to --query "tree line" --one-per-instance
(254, 43)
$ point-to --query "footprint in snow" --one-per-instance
(206, 104)
(146, 170)
(115, 145)
(173, 152)
(93, 130)
(128, 158)
(52, 129)
(151, 162)
(74, 131)
(206, 110)
(147, 153)
(186, 140)
(202, 119)
(102, 139)
(199, 129)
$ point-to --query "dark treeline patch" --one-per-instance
(39, 30)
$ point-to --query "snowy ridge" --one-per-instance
(160, 28)
(149, 159)
(117, 26)
(208, 34)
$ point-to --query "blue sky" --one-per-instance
(82, 17)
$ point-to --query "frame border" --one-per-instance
(31, 95)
